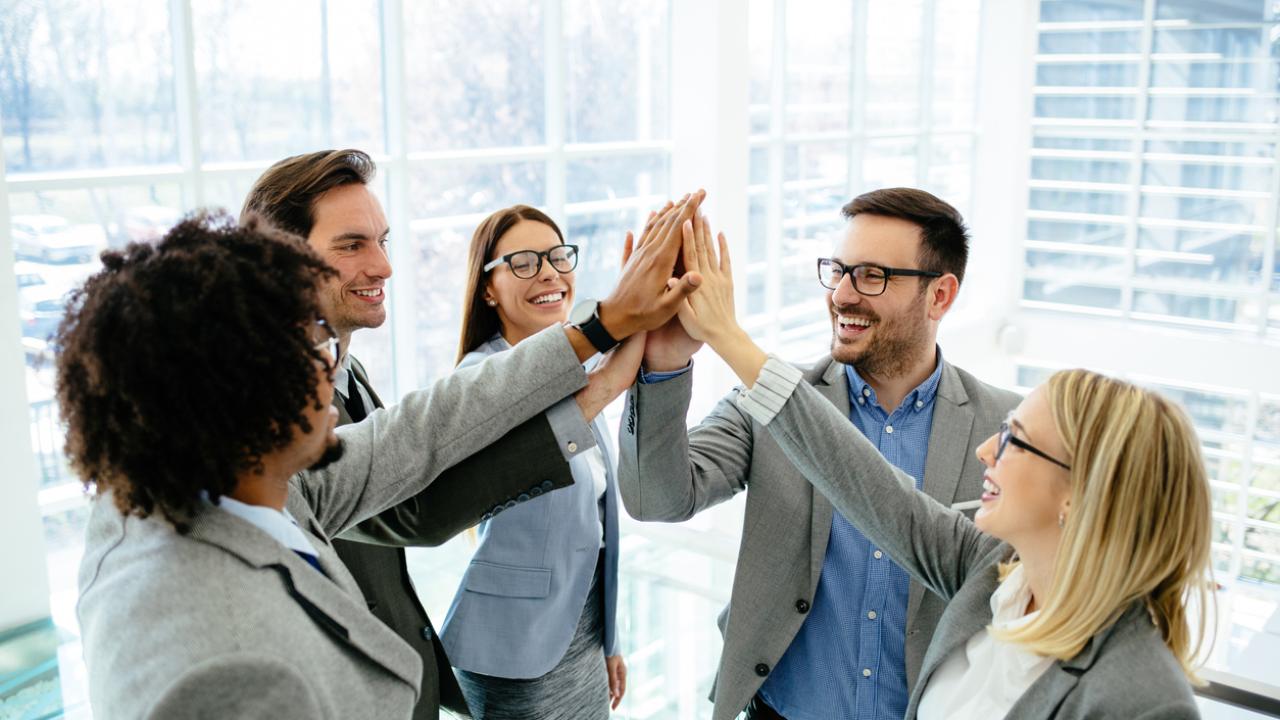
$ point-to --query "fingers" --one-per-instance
(706, 257)
(627, 246)
(689, 248)
(726, 266)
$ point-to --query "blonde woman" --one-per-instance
(1069, 593)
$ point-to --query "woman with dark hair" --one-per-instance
(531, 629)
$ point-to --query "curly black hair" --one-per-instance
(181, 364)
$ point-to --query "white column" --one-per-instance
(709, 84)
(22, 563)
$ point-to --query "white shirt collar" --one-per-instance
(341, 381)
(279, 524)
(1009, 601)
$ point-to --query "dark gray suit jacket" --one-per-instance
(668, 473)
(524, 458)
(1124, 672)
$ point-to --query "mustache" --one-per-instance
(854, 311)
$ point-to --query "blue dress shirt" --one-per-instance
(848, 659)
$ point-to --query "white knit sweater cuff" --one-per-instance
(765, 399)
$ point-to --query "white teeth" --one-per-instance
(846, 320)
(990, 487)
(548, 298)
(368, 293)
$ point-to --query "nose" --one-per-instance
(547, 273)
(986, 452)
(380, 266)
(844, 294)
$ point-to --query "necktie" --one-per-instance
(312, 560)
(355, 406)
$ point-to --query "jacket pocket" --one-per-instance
(508, 581)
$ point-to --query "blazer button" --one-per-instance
(486, 516)
(802, 606)
(428, 633)
(762, 670)
(535, 491)
(497, 509)
(522, 497)
(546, 486)
(510, 504)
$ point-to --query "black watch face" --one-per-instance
(583, 311)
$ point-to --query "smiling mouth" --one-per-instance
(852, 326)
(370, 294)
(550, 298)
(990, 490)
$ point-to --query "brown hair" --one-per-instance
(479, 321)
(944, 240)
(286, 193)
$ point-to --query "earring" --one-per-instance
(1062, 519)
(493, 303)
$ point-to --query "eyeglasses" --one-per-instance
(869, 280)
(1007, 437)
(525, 264)
(323, 337)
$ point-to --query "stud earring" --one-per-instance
(1062, 519)
(493, 303)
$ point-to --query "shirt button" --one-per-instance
(573, 447)
(427, 633)
(866, 672)
(919, 404)
(888, 429)
(878, 554)
(862, 401)
(871, 615)
(802, 606)
(762, 669)
(866, 392)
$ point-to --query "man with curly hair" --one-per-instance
(195, 377)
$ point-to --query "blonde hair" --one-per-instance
(1140, 523)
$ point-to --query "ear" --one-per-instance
(942, 295)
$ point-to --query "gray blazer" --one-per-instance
(227, 622)
(518, 605)
(667, 475)
(1124, 672)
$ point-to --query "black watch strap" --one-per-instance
(599, 338)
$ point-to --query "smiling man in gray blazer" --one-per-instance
(820, 623)
(195, 377)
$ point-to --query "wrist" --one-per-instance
(659, 362)
(614, 321)
(726, 339)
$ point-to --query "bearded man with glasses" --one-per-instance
(821, 624)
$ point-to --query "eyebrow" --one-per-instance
(355, 235)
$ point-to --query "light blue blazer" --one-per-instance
(522, 595)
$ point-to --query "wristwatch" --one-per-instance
(586, 317)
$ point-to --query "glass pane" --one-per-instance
(617, 70)
(1212, 109)
(440, 274)
(86, 85)
(1073, 142)
(266, 94)
(1199, 255)
(809, 207)
(1206, 175)
(1078, 265)
(445, 189)
(479, 82)
(1203, 209)
(755, 293)
(1104, 74)
(1076, 11)
(1198, 11)
(951, 170)
(955, 62)
(1091, 41)
(1085, 107)
(1268, 428)
(1210, 74)
(1193, 307)
(890, 163)
(611, 178)
(757, 228)
(1066, 293)
(817, 65)
(1081, 170)
(1082, 233)
(1096, 203)
(600, 237)
(758, 166)
(1217, 412)
(760, 29)
(816, 161)
(893, 64)
(1217, 43)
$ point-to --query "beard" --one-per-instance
(897, 342)
(332, 453)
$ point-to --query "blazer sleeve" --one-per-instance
(524, 458)
(936, 545)
(396, 452)
(668, 473)
(239, 686)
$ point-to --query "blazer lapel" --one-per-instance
(362, 377)
(834, 386)
(330, 603)
(948, 451)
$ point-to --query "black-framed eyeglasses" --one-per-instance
(324, 337)
(869, 280)
(1007, 437)
(525, 264)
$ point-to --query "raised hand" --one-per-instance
(615, 373)
(642, 299)
(670, 347)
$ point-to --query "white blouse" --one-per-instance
(985, 677)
